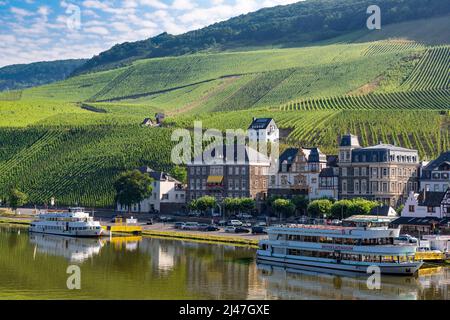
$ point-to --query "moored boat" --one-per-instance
(75, 223)
(352, 249)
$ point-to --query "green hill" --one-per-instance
(301, 23)
(71, 138)
(21, 76)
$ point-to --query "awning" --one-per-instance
(215, 179)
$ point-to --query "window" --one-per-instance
(363, 186)
(374, 172)
(344, 172)
(197, 170)
(344, 186)
(356, 173)
(236, 171)
(244, 171)
(165, 196)
(203, 170)
(356, 186)
(412, 208)
(431, 209)
(230, 170)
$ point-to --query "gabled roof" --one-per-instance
(158, 175)
(260, 123)
(435, 164)
(430, 198)
(381, 211)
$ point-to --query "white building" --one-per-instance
(168, 195)
(263, 129)
(435, 176)
(427, 204)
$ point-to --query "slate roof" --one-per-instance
(381, 211)
(157, 175)
(430, 198)
(260, 123)
(427, 221)
(241, 154)
(435, 164)
(327, 173)
(389, 147)
(349, 140)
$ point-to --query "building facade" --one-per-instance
(384, 173)
(427, 204)
(435, 176)
(329, 180)
(299, 173)
(229, 176)
(168, 195)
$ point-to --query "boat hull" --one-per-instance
(405, 269)
(73, 234)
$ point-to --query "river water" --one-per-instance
(35, 267)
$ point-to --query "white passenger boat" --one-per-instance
(353, 249)
(75, 223)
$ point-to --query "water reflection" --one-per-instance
(34, 266)
(73, 249)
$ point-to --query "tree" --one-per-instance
(301, 203)
(17, 198)
(342, 209)
(247, 204)
(362, 206)
(283, 207)
(230, 205)
(206, 203)
(320, 208)
(132, 187)
(193, 206)
(179, 173)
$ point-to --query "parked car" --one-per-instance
(222, 223)
(261, 224)
(259, 230)
(241, 230)
(179, 225)
(150, 222)
(202, 227)
(236, 223)
(406, 238)
(211, 229)
(247, 225)
(192, 226)
(230, 230)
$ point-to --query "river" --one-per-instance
(35, 267)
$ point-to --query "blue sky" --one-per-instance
(32, 30)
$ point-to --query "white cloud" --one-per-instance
(97, 30)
